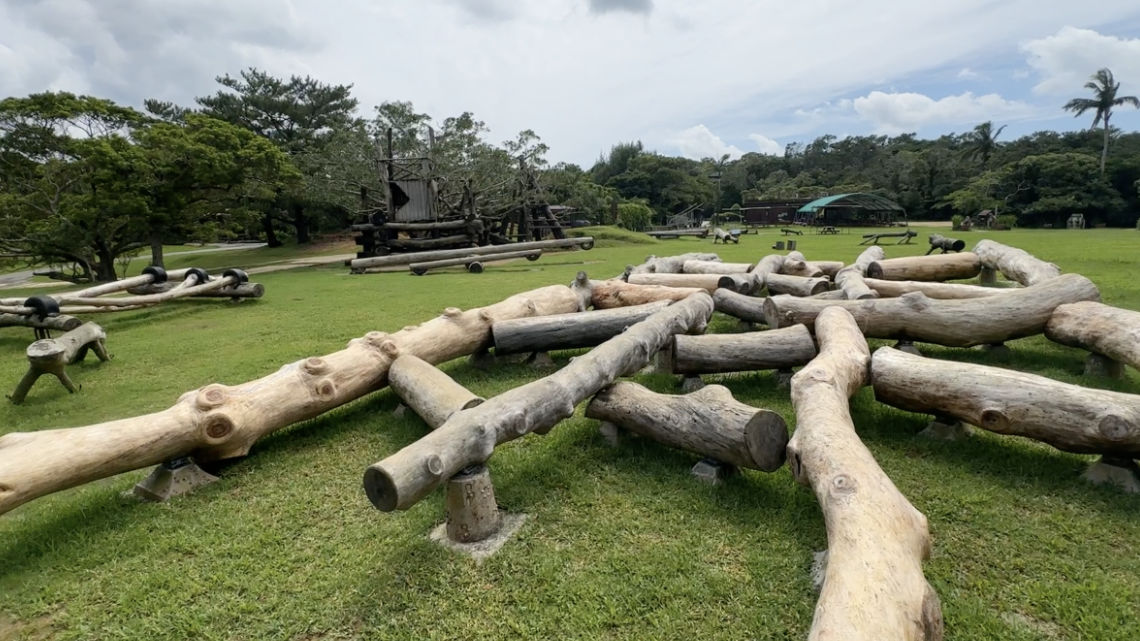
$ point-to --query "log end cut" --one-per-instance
(767, 438)
(381, 489)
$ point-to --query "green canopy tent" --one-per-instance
(857, 209)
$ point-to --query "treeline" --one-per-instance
(86, 182)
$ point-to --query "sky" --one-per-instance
(698, 79)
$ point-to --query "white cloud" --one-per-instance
(893, 113)
(698, 142)
(1066, 59)
(766, 145)
(968, 74)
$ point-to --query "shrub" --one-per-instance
(1006, 221)
(634, 216)
(956, 222)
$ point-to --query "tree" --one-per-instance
(1104, 88)
(981, 143)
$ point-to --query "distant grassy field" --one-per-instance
(620, 544)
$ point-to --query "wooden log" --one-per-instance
(796, 285)
(222, 421)
(850, 279)
(419, 244)
(568, 331)
(829, 267)
(469, 437)
(796, 265)
(1068, 417)
(769, 264)
(61, 322)
(707, 282)
(741, 283)
(189, 287)
(53, 355)
(709, 422)
(607, 294)
(670, 264)
(954, 323)
(1015, 264)
(714, 267)
(240, 290)
(433, 226)
(873, 587)
(937, 267)
(905, 237)
(420, 269)
(1102, 329)
(724, 237)
(124, 284)
(432, 395)
(746, 308)
(896, 288)
(675, 233)
(938, 241)
(360, 264)
(744, 352)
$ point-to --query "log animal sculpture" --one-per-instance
(849, 279)
(954, 323)
(221, 421)
(1102, 329)
(709, 422)
(1068, 417)
(724, 237)
(469, 437)
(568, 331)
(873, 586)
(747, 351)
(938, 241)
(53, 355)
(937, 267)
(1015, 264)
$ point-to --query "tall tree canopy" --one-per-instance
(1104, 88)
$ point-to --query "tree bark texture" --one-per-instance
(1068, 417)
(707, 282)
(796, 265)
(568, 331)
(709, 422)
(432, 395)
(938, 267)
(850, 279)
(746, 308)
(1015, 264)
(360, 264)
(469, 437)
(796, 285)
(954, 323)
(223, 421)
(873, 588)
(607, 294)
(1103, 329)
(670, 264)
(715, 267)
(747, 351)
(896, 288)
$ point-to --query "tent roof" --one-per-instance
(854, 200)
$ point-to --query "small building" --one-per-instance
(771, 211)
(857, 209)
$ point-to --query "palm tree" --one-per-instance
(1104, 89)
(980, 144)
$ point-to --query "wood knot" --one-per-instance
(434, 466)
(325, 389)
(452, 312)
(843, 484)
(408, 328)
(1114, 428)
(486, 316)
(218, 427)
(375, 338)
(315, 365)
(995, 420)
(211, 396)
(390, 348)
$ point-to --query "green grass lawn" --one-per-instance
(619, 544)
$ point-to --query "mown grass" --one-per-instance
(620, 544)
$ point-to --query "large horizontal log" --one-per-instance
(454, 240)
(936, 267)
(53, 355)
(896, 288)
(670, 264)
(954, 323)
(796, 285)
(938, 241)
(829, 267)
(873, 586)
(709, 422)
(796, 265)
(714, 267)
(707, 282)
(607, 294)
(1106, 330)
(850, 279)
(568, 331)
(62, 322)
(674, 233)
(434, 226)
(1068, 417)
(124, 284)
(240, 290)
(359, 264)
(469, 437)
(432, 395)
(420, 269)
(747, 351)
(223, 421)
(1015, 264)
(746, 308)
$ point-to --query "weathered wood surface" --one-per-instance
(1015, 264)
(796, 265)
(608, 294)
(568, 331)
(850, 279)
(741, 283)
(896, 288)
(124, 284)
(709, 422)
(937, 267)
(954, 323)
(469, 437)
(422, 268)
(873, 587)
(829, 267)
(53, 355)
(714, 267)
(1068, 417)
(707, 282)
(671, 264)
(223, 421)
(676, 233)
(796, 285)
(767, 265)
(1103, 329)
(62, 322)
(746, 308)
(189, 287)
(938, 241)
(724, 237)
(747, 351)
(240, 290)
(360, 264)
(433, 395)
